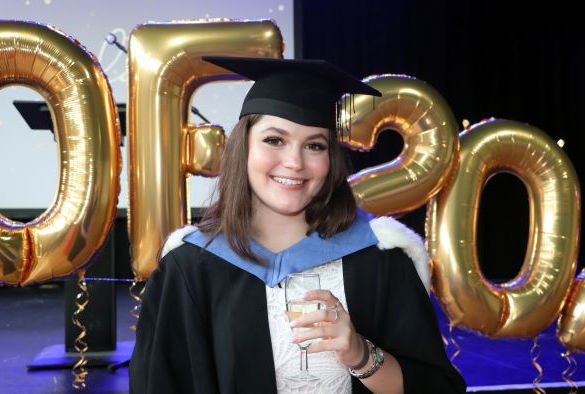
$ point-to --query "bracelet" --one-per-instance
(365, 357)
(377, 355)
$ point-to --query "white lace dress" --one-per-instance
(334, 377)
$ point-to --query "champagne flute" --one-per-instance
(296, 286)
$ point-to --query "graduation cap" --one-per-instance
(307, 92)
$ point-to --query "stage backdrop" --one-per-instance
(28, 158)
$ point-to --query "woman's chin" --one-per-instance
(292, 210)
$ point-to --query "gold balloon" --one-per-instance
(204, 148)
(165, 68)
(14, 251)
(429, 129)
(75, 226)
(571, 324)
(527, 304)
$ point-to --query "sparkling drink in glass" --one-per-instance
(296, 286)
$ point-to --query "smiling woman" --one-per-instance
(214, 312)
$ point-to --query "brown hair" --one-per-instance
(332, 210)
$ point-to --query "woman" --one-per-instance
(213, 314)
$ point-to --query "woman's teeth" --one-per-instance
(286, 181)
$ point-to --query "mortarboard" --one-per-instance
(303, 91)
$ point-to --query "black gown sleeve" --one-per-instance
(393, 310)
(172, 353)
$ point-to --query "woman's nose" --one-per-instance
(293, 159)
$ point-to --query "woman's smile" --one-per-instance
(288, 181)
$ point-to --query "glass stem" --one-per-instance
(305, 351)
(301, 359)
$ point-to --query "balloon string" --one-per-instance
(569, 371)
(453, 342)
(136, 295)
(448, 341)
(445, 341)
(534, 354)
(81, 301)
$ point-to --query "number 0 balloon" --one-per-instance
(76, 225)
(528, 303)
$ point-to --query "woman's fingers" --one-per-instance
(322, 295)
(324, 332)
(337, 344)
(333, 308)
(329, 331)
(323, 315)
(326, 345)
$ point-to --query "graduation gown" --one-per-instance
(203, 325)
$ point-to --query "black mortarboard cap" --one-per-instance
(303, 91)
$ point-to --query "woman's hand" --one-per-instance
(333, 325)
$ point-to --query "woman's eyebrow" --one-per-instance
(273, 128)
(285, 132)
(319, 135)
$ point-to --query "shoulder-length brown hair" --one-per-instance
(332, 210)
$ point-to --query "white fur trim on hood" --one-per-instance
(389, 232)
(393, 234)
(175, 239)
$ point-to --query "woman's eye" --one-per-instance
(317, 146)
(273, 141)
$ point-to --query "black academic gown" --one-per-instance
(203, 325)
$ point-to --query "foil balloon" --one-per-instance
(204, 146)
(15, 249)
(571, 324)
(429, 129)
(75, 226)
(528, 303)
(165, 68)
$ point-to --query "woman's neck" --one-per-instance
(277, 232)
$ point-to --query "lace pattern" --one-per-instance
(334, 377)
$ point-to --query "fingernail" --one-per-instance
(294, 340)
(293, 323)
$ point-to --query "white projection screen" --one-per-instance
(28, 158)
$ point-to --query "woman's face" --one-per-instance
(287, 164)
